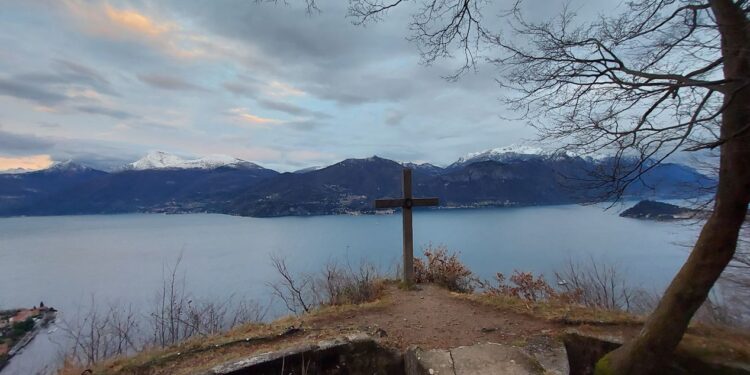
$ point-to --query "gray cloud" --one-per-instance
(49, 125)
(323, 54)
(151, 125)
(97, 154)
(72, 72)
(292, 109)
(368, 77)
(104, 111)
(78, 70)
(295, 38)
(394, 118)
(67, 73)
(44, 87)
(305, 125)
(22, 144)
(166, 82)
(19, 89)
(249, 87)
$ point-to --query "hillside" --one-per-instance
(165, 183)
(427, 318)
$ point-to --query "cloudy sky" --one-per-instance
(104, 82)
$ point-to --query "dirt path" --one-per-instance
(432, 317)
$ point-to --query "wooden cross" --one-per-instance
(406, 203)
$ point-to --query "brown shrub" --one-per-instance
(335, 285)
(339, 285)
(593, 284)
(443, 269)
(523, 285)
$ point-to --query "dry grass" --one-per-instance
(556, 311)
(707, 342)
(338, 292)
(195, 355)
(717, 343)
(203, 353)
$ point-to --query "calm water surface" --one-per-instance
(63, 261)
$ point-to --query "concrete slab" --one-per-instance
(352, 354)
(490, 358)
(479, 359)
(429, 362)
(549, 352)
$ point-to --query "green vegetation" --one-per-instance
(21, 328)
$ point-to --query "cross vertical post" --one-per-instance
(406, 203)
(408, 229)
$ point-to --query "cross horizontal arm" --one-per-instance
(389, 203)
(425, 202)
(407, 203)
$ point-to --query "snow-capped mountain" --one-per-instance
(165, 183)
(163, 160)
(309, 169)
(67, 166)
(60, 166)
(427, 168)
(15, 171)
(503, 154)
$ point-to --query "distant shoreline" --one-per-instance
(628, 200)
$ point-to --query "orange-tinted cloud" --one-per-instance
(243, 115)
(134, 21)
(106, 21)
(280, 89)
(32, 162)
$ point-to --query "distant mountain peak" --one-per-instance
(512, 152)
(16, 171)
(427, 168)
(309, 169)
(164, 160)
(60, 166)
(419, 165)
(68, 166)
(503, 152)
(370, 159)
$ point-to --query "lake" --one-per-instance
(64, 261)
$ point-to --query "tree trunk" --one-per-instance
(662, 332)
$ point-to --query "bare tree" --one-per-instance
(176, 315)
(335, 285)
(661, 77)
(113, 329)
(312, 5)
(731, 303)
(169, 308)
(295, 293)
(598, 285)
(100, 333)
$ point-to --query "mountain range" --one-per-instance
(162, 182)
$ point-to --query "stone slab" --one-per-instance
(479, 359)
(428, 362)
(351, 354)
(490, 358)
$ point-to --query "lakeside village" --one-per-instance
(19, 326)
